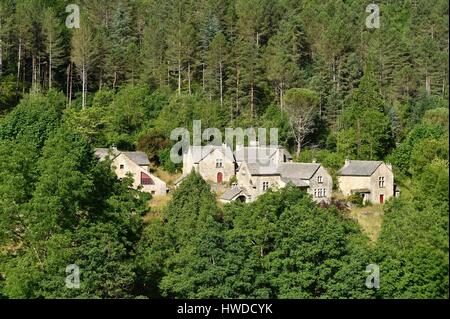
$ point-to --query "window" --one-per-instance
(265, 186)
(146, 180)
(320, 179)
(320, 193)
(381, 182)
(122, 166)
(219, 163)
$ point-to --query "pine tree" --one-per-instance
(282, 56)
(83, 54)
(53, 43)
(120, 44)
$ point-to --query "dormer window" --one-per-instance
(219, 163)
(381, 182)
(320, 179)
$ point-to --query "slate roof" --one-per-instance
(103, 153)
(296, 181)
(139, 158)
(233, 193)
(200, 152)
(293, 171)
(258, 170)
(359, 168)
(255, 154)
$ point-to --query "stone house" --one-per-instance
(373, 180)
(136, 163)
(254, 180)
(213, 163)
(262, 155)
(312, 177)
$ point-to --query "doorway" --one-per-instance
(219, 178)
(382, 199)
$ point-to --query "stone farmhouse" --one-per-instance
(256, 169)
(373, 180)
(215, 163)
(254, 180)
(136, 163)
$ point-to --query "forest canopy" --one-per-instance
(135, 70)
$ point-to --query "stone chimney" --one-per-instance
(347, 161)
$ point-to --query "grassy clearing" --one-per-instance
(157, 205)
(370, 219)
(166, 176)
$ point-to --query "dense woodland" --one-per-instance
(135, 70)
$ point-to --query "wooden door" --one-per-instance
(219, 178)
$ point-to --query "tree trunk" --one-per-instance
(221, 83)
(299, 148)
(50, 63)
(189, 78)
(19, 59)
(252, 98)
(179, 77)
(203, 77)
(33, 73)
(83, 76)
(70, 83)
(281, 96)
(238, 73)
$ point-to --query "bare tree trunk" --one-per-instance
(203, 76)
(19, 59)
(238, 73)
(189, 78)
(221, 83)
(83, 76)
(428, 84)
(50, 64)
(299, 149)
(179, 76)
(281, 96)
(70, 83)
(252, 99)
(33, 73)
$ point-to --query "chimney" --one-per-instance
(314, 160)
(347, 161)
